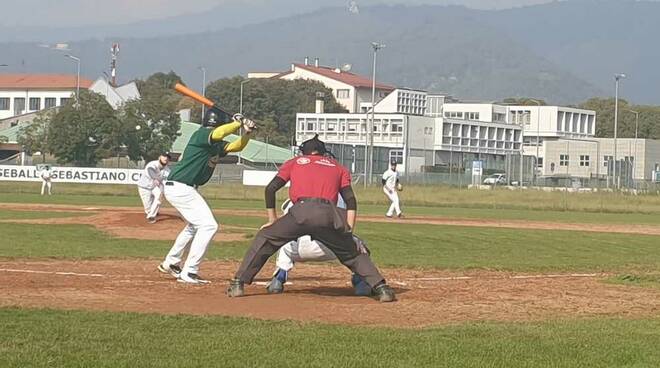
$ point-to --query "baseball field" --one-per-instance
(484, 279)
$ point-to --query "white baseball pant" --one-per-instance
(151, 200)
(303, 250)
(200, 228)
(394, 198)
(44, 184)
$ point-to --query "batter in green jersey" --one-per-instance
(205, 148)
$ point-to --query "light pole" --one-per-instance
(635, 150)
(617, 78)
(203, 70)
(522, 152)
(370, 132)
(538, 135)
(240, 109)
(77, 60)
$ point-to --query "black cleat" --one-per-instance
(235, 289)
(173, 270)
(384, 293)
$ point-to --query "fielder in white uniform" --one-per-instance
(304, 249)
(390, 187)
(150, 185)
(46, 180)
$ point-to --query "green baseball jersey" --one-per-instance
(199, 159)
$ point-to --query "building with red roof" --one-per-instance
(25, 93)
(350, 90)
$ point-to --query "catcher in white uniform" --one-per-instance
(390, 186)
(307, 250)
(46, 179)
(150, 185)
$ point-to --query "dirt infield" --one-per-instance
(321, 293)
(119, 220)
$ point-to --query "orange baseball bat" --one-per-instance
(222, 114)
(192, 94)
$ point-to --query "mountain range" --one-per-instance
(563, 52)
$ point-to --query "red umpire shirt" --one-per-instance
(314, 176)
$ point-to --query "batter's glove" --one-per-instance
(249, 126)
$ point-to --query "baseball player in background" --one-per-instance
(204, 150)
(390, 186)
(46, 179)
(150, 185)
(304, 249)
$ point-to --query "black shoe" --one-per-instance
(384, 293)
(192, 278)
(235, 289)
(173, 270)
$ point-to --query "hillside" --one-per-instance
(553, 51)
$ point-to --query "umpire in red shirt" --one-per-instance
(316, 180)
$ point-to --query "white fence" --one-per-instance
(89, 175)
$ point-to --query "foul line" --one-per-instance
(53, 273)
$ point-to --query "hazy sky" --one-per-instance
(85, 12)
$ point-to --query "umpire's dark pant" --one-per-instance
(324, 222)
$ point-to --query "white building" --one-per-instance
(25, 93)
(116, 96)
(350, 90)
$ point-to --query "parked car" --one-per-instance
(495, 179)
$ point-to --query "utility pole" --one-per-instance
(634, 163)
(240, 109)
(617, 78)
(77, 60)
(370, 131)
(203, 70)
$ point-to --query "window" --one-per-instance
(397, 128)
(19, 105)
(563, 160)
(584, 160)
(343, 93)
(310, 126)
(396, 155)
(50, 102)
(607, 160)
(4, 103)
(539, 162)
(473, 115)
(35, 103)
(64, 100)
(428, 130)
(454, 115)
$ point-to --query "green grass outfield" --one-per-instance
(484, 212)
(46, 338)
(25, 215)
(396, 245)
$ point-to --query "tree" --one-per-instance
(156, 113)
(33, 137)
(604, 107)
(85, 134)
(159, 124)
(272, 103)
(524, 101)
(3, 139)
